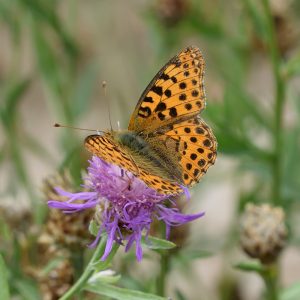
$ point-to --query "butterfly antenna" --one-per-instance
(77, 128)
(104, 85)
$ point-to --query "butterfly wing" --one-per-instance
(105, 147)
(175, 93)
(169, 110)
(196, 145)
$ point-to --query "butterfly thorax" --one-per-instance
(151, 153)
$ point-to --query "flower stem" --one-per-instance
(279, 103)
(89, 270)
(164, 268)
(270, 276)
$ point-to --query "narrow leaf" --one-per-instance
(82, 97)
(291, 293)
(93, 228)
(27, 289)
(292, 67)
(12, 100)
(107, 276)
(188, 255)
(155, 243)
(4, 288)
(254, 266)
(120, 293)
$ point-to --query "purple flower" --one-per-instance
(127, 205)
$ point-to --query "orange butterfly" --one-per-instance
(167, 144)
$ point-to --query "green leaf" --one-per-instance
(93, 228)
(155, 243)
(103, 265)
(3, 154)
(52, 265)
(82, 95)
(107, 276)
(252, 266)
(291, 293)
(7, 10)
(292, 67)
(36, 147)
(257, 17)
(12, 100)
(48, 63)
(45, 12)
(4, 288)
(180, 295)
(27, 289)
(188, 255)
(120, 293)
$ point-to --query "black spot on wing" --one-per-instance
(160, 107)
(148, 99)
(144, 112)
(157, 90)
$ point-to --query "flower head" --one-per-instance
(263, 232)
(127, 206)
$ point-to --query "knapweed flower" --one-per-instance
(126, 205)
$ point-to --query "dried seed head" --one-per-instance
(61, 234)
(69, 230)
(59, 279)
(170, 12)
(263, 232)
(286, 27)
(18, 217)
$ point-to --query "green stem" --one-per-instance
(279, 103)
(90, 269)
(164, 268)
(270, 277)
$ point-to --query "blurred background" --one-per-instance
(54, 56)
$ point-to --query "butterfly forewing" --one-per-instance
(105, 147)
(176, 92)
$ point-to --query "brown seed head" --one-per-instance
(263, 232)
(170, 12)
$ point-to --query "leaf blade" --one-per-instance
(4, 288)
(120, 293)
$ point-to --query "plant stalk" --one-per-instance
(164, 269)
(279, 104)
(90, 268)
(270, 277)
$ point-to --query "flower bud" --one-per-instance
(263, 232)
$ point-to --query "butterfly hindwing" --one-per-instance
(177, 91)
(196, 146)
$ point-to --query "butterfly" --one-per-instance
(167, 144)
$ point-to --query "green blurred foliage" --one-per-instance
(250, 129)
